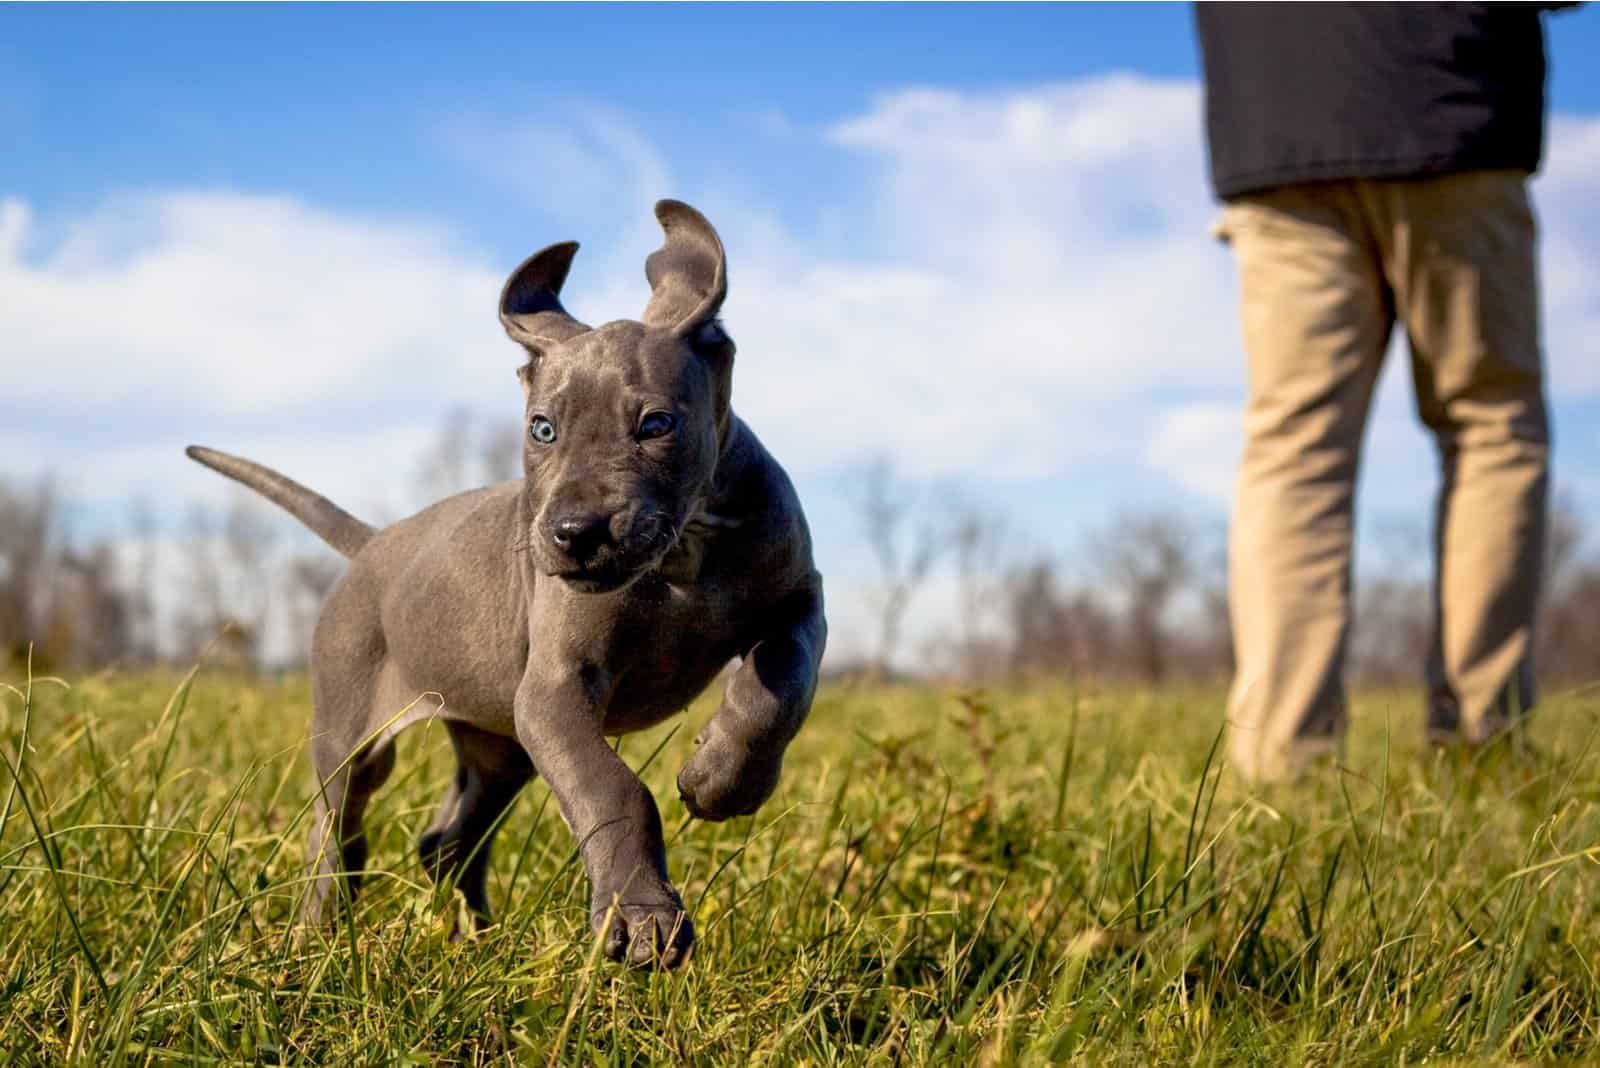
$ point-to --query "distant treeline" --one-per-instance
(1142, 598)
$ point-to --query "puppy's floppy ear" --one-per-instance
(688, 276)
(530, 303)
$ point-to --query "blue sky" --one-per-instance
(345, 105)
(969, 238)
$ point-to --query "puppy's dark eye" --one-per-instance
(656, 425)
(541, 430)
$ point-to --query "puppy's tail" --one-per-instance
(327, 520)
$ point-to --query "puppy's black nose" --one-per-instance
(578, 535)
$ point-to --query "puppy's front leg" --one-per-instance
(632, 906)
(741, 749)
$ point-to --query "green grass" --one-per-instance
(1024, 876)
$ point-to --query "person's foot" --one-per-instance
(1306, 763)
(1508, 746)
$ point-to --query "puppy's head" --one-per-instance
(624, 422)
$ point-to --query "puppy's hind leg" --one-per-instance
(352, 756)
(490, 771)
(357, 698)
(348, 776)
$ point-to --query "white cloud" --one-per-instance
(1032, 277)
(189, 303)
(369, 471)
(594, 173)
(1569, 216)
(1198, 444)
(1030, 285)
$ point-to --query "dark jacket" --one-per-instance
(1317, 91)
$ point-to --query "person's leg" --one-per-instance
(1316, 318)
(1462, 266)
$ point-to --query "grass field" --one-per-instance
(1018, 876)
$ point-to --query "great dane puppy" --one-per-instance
(651, 541)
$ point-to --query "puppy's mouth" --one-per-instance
(596, 579)
(616, 566)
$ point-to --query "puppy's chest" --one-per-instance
(677, 625)
(669, 649)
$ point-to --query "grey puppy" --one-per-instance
(651, 542)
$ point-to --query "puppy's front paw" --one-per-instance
(644, 934)
(727, 778)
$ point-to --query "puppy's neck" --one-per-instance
(715, 515)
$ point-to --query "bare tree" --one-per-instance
(1569, 631)
(228, 568)
(248, 539)
(141, 581)
(1564, 540)
(70, 605)
(225, 601)
(469, 452)
(1393, 610)
(309, 578)
(1155, 608)
(500, 452)
(445, 466)
(1055, 630)
(1212, 640)
(90, 618)
(906, 551)
(977, 542)
(28, 521)
(202, 612)
(1145, 559)
(1392, 630)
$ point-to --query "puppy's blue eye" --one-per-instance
(541, 430)
(656, 425)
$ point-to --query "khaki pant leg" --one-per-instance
(1316, 318)
(1462, 265)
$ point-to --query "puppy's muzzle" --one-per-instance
(579, 537)
(586, 550)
